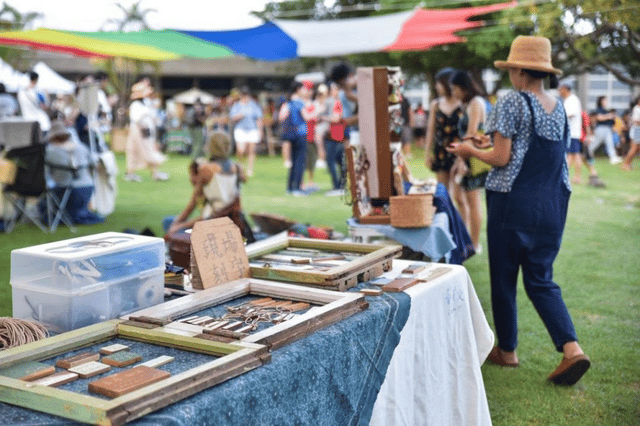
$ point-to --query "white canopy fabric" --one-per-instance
(344, 36)
(52, 82)
(193, 94)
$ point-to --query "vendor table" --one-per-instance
(434, 241)
(411, 358)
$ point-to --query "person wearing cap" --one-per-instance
(527, 195)
(141, 150)
(246, 116)
(216, 188)
(69, 165)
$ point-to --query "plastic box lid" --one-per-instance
(74, 264)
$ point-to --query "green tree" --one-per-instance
(587, 35)
(11, 19)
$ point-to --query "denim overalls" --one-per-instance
(524, 229)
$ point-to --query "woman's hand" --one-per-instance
(480, 141)
(461, 149)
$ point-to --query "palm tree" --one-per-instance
(135, 18)
(12, 19)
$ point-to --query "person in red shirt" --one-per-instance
(585, 139)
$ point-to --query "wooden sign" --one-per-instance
(414, 268)
(112, 349)
(57, 379)
(90, 369)
(219, 255)
(81, 358)
(127, 381)
(28, 371)
(122, 359)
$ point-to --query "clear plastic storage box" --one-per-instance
(74, 283)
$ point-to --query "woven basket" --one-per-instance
(412, 211)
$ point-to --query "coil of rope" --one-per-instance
(16, 332)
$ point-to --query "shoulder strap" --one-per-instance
(533, 115)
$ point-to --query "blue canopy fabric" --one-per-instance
(267, 42)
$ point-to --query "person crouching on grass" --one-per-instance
(527, 195)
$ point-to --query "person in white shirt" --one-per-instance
(30, 105)
(634, 136)
(574, 114)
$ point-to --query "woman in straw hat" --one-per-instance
(216, 188)
(142, 151)
(527, 197)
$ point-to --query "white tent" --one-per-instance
(49, 81)
(13, 80)
(52, 82)
(191, 95)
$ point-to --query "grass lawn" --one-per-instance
(598, 269)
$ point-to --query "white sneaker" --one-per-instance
(335, 193)
(478, 249)
(132, 177)
(161, 176)
(288, 164)
(616, 160)
(321, 164)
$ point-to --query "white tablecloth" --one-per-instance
(434, 377)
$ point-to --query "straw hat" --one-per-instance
(58, 131)
(529, 53)
(140, 90)
(219, 145)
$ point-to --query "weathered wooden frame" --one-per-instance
(377, 259)
(335, 307)
(235, 359)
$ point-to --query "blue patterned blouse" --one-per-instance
(512, 118)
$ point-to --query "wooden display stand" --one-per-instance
(305, 261)
(228, 360)
(330, 307)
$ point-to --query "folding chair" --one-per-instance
(56, 203)
(29, 182)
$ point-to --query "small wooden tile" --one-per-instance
(187, 319)
(157, 362)
(201, 320)
(127, 381)
(400, 284)
(122, 359)
(414, 268)
(215, 325)
(380, 281)
(328, 258)
(301, 260)
(90, 369)
(81, 358)
(139, 324)
(57, 379)
(183, 327)
(112, 349)
(28, 371)
(233, 325)
(371, 291)
(298, 307)
(257, 302)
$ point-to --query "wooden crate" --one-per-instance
(368, 261)
(234, 359)
(331, 307)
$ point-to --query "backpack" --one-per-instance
(287, 128)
